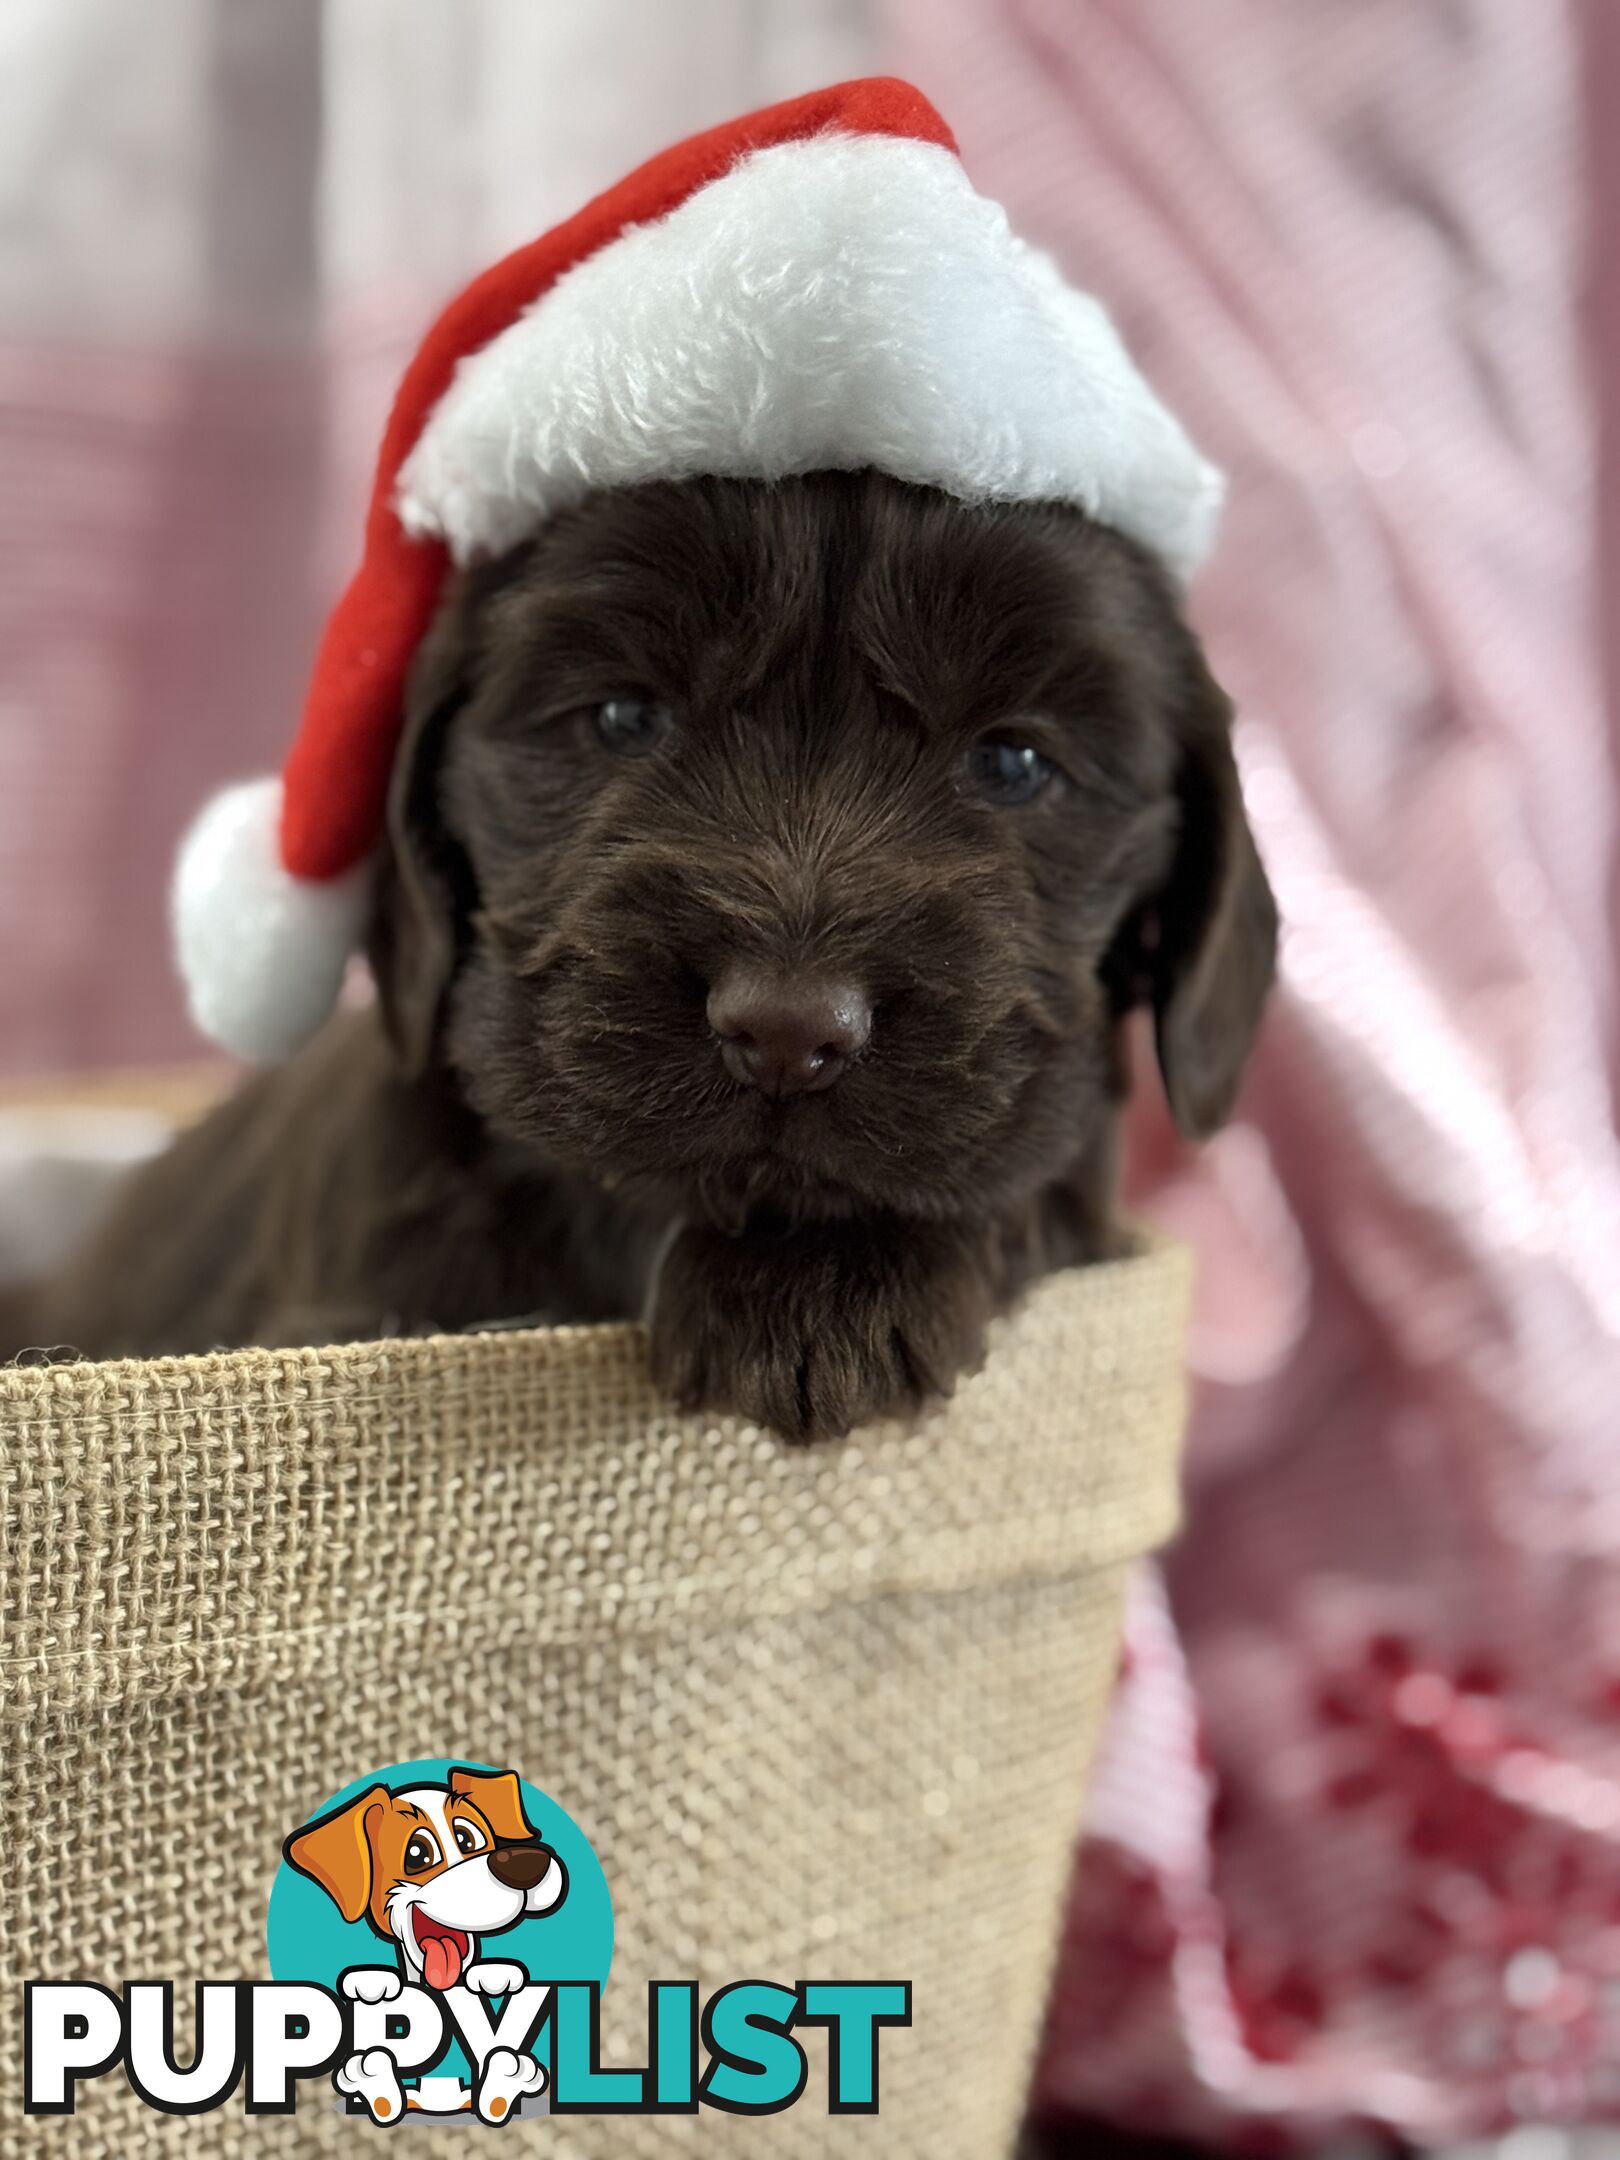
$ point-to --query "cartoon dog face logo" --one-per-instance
(433, 1868)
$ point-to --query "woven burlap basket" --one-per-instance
(823, 1713)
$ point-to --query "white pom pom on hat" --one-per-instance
(263, 953)
(815, 286)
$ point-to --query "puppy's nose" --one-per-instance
(519, 1867)
(787, 1035)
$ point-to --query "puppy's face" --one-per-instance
(798, 848)
(433, 1868)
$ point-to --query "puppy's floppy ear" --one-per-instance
(335, 1851)
(1214, 948)
(498, 1798)
(422, 880)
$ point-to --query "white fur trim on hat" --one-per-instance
(262, 952)
(833, 303)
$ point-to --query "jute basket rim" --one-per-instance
(219, 1502)
(1155, 1260)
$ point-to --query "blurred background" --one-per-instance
(1351, 1874)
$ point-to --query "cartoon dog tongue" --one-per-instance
(441, 1958)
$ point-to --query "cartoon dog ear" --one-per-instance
(335, 1852)
(1214, 951)
(499, 1799)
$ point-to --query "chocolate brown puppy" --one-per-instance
(770, 868)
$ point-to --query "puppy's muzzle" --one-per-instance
(519, 1867)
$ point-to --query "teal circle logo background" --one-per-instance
(309, 1939)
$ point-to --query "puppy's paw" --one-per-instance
(373, 2080)
(817, 1329)
(493, 1976)
(371, 1983)
(507, 2077)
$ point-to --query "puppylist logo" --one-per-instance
(439, 1935)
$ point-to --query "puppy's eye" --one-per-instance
(1006, 771)
(630, 726)
(421, 1853)
(469, 1838)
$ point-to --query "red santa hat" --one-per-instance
(815, 286)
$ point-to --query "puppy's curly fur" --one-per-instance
(536, 1119)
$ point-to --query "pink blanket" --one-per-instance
(1355, 1856)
